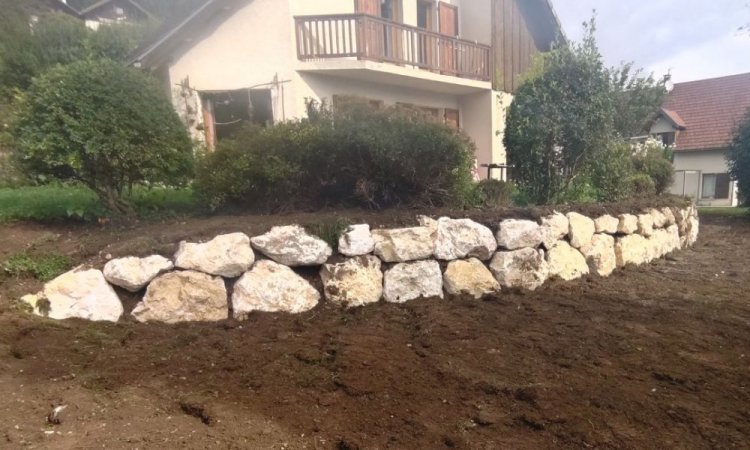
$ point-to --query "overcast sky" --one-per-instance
(692, 39)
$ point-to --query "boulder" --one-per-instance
(133, 274)
(645, 225)
(682, 215)
(600, 255)
(292, 246)
(404, 244)
(353, 282)
(185, 296)
(606, 224)
(628, 224)
(582, 229)
(82, 294)
(631, 249)
(462, 238)
(566, 263)
(554, 228)
(356, 241)
(272, 287)
(524, 268)
(228, 255)
(669, 216)
(469, 277)
(513, 234)
(674, 238)
(409, 281)
(691, 235)
(658, 218)
(658, 244)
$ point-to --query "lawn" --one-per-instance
(724, 212)
(73, 202)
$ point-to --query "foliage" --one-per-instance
(105, 125)
(566, 130)
(655, 160)
(329, 231)
(495, 193)
(642, 185)
(738, 157)
(355, 156)
(43, 267)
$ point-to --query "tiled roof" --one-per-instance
(710, 110)
(675, 118)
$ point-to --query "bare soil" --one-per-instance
(653, 357)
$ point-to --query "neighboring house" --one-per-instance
(699, 119)
(239, 61)
(98, 12)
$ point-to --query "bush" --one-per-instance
(495, 193)
(356, 156)
(642, 185)
(655, 160)
(107, 126)
(738, 158)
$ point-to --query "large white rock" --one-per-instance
(513, 234)
(133, 274)
(682, 217)
(353, 282)
(272, 287)
(469, 277)
(659, 244)
(554, 228)
(524, 268)
(691, 235)
(631, 249)
(658, 218)
(228, 255)
(404, 244)
(462, 238)
(356, 241)
(83, 294)
(184, 296)
(600, 255)
(606, 224)
(669, 216)
(565, 262)
(293, 246)
(413, 280)
(645, 225)
(628, 224)
(582, 229)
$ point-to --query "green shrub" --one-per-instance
(642, 185)
(105, 125)
(738, 158)
(495, 193)
(356, 156)
(655, 160)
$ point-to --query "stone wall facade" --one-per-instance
(438, 257)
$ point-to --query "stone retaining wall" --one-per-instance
(453, 256)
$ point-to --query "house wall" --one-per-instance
(514, 47)
(483, 119)
(703, 162)
(662, 126)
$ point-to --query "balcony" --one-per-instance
(369, 38)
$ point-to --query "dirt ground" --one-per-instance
(653, 357)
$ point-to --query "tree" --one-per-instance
(637, 99)
(103, 124)
(738, 157)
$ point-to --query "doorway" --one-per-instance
(448, 23)
(382, 41)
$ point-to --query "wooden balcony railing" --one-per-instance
(371, 38)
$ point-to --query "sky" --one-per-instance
(691, 39)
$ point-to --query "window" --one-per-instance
(667, 138)
(715, 186)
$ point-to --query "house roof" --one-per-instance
(709, 110)
(103, 3)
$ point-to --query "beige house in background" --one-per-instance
(239, 61)
(698, 119)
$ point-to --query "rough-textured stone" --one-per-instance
(645, 225)
(674, 238)
(554, 228)
(524, 268)
(186, 296)
(582, 229)
(133, 274)
(514, 234)
(82, 294)
(682, 216)
(227, 255)
(658, 218)
(606, 224)
(272, 287)
(404, 244)
(669, 216)
(659, 244)
(353, 282)
(293, 246)
(600, 255)
(565, 262)
(413, 280)
(691, 235)
(631, 249)
(462, 238)
(356, 241)
(469, 277)
(628, 224)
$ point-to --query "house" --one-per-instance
(238, 61)
(97, 12)
(699, 119)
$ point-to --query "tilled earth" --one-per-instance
(653, 357)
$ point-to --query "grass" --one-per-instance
(725, 211)
(42, 267)
(60, 202)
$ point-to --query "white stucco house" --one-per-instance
(95, 13)
(698, 119)
(238, 61)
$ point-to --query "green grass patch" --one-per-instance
(725, 211)
(66, 202)
(42, 267)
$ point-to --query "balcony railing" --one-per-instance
(371, 38)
